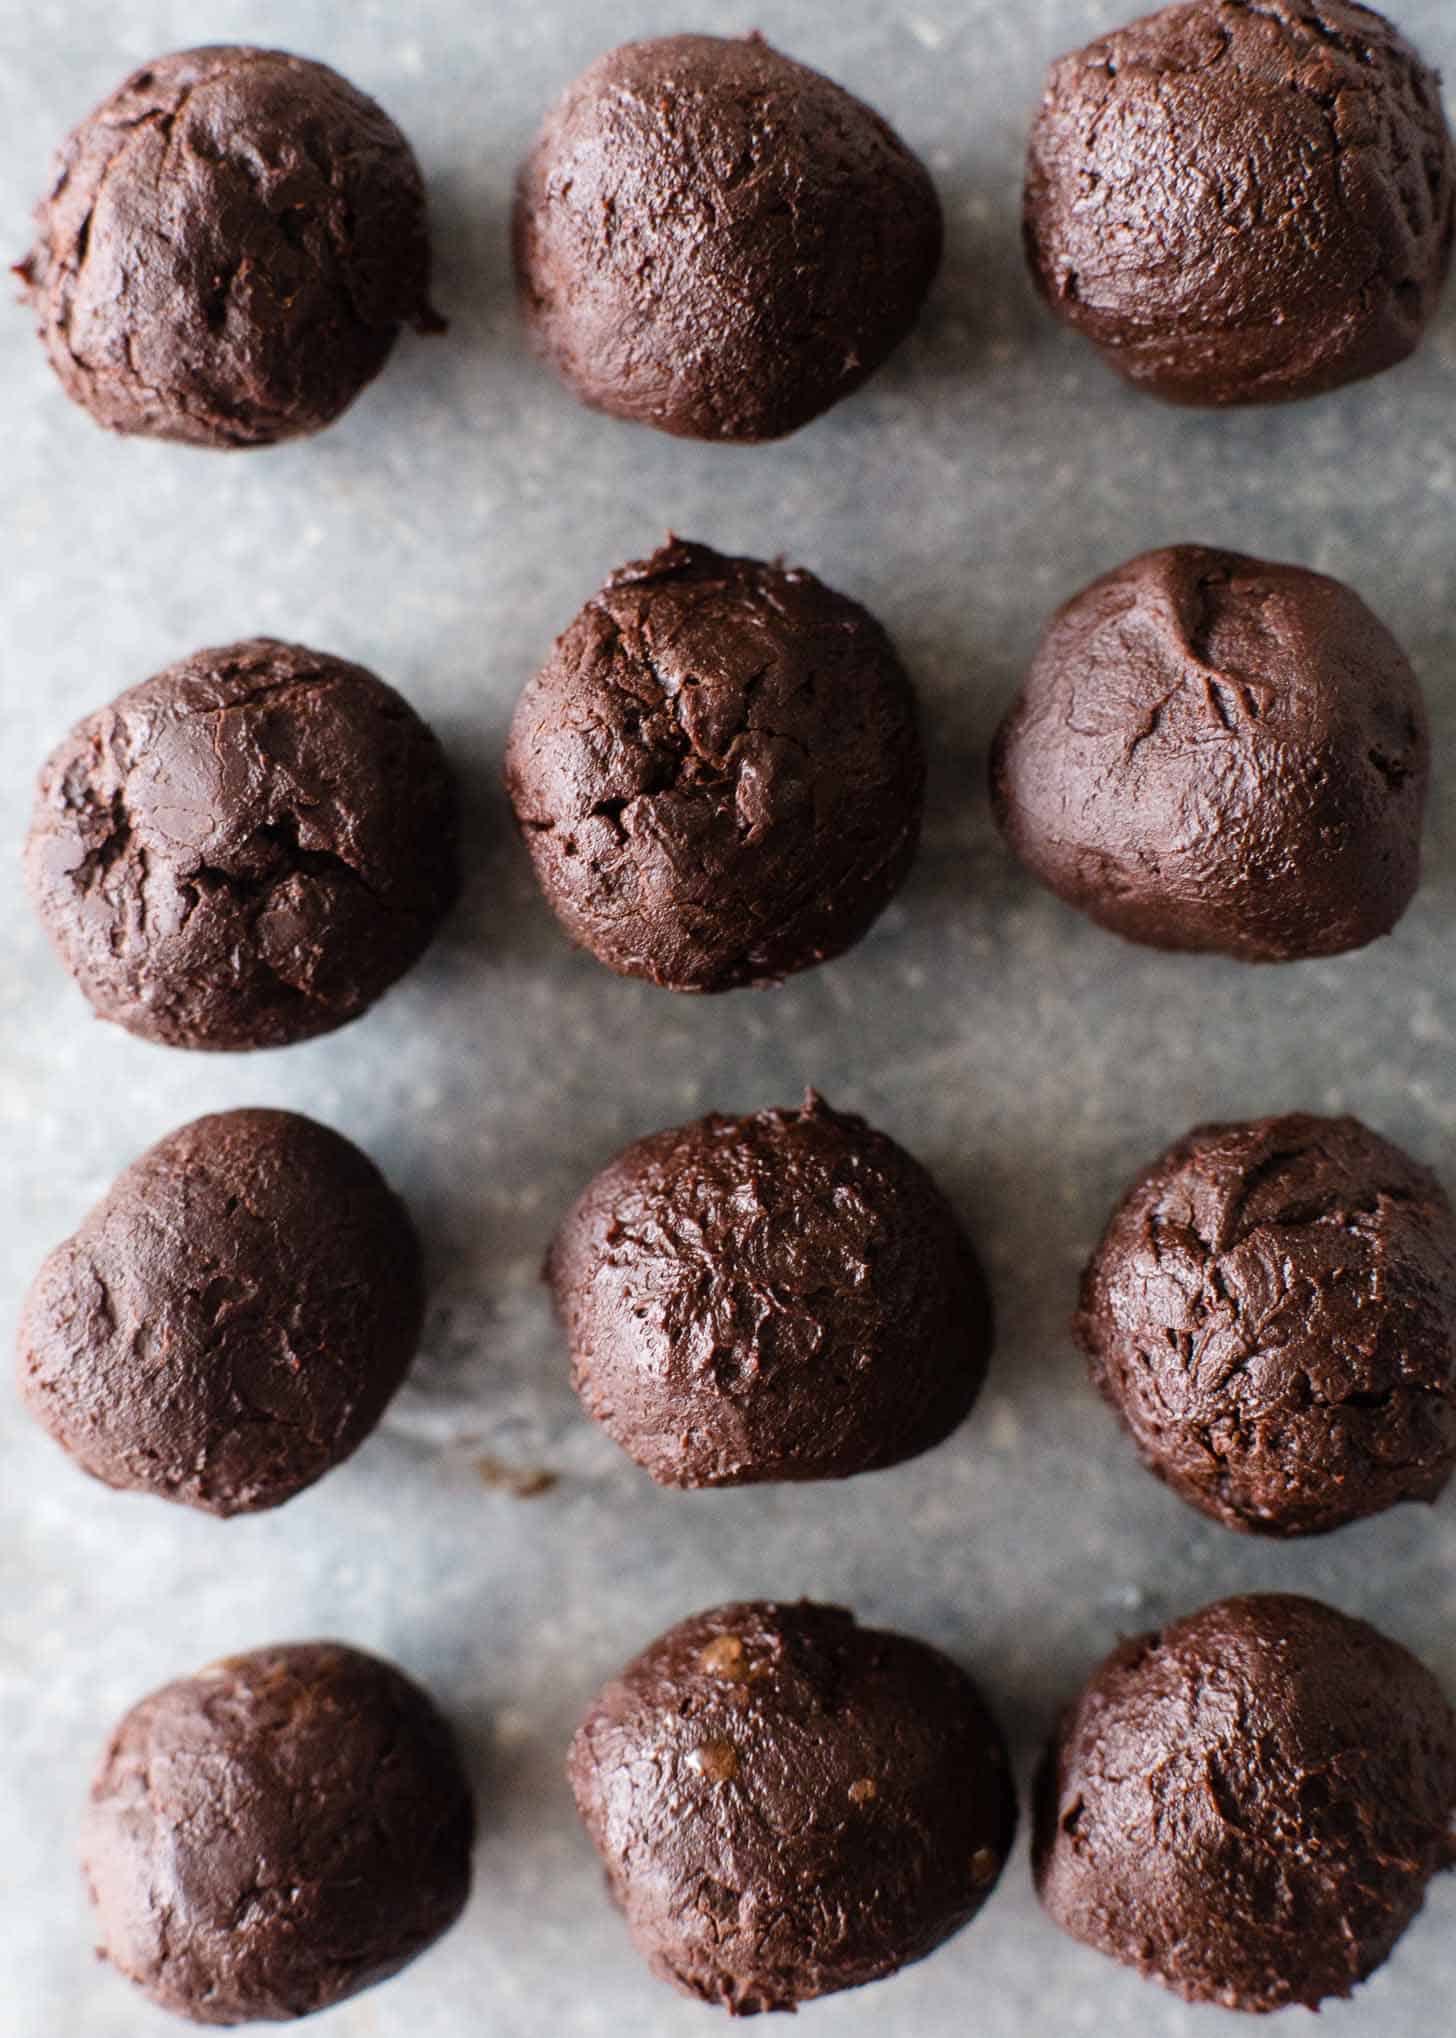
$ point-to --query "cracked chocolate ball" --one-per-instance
(246, 850)
(786, 1296)
(716, 241)
(230, 246)
(276, 1833)
(1244, 201)
(1272, 1314)
(1247, 1807)
(718, 772)
(231, 1319)
(1214, 753)
(788, 1804)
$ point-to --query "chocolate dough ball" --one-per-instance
(230, 246)
(1247, 1807)
(718, 772)
(246, 850)
(281, 1831)
(1243, 203)
(786, 1296)
(716, 241)
(1214, 753)
(788, 1804)
(231, 1319)
(1272, 1313)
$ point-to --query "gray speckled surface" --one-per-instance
(443, 533)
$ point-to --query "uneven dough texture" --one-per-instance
(1243, 201)
(718, 772)
(1214, 753)
(788, 1804)
(786, 1296)
(231, 244)
(1248, 1806)
(232, 1318)
(1272, 1313)
(281, 1831)
(716, 241)
(246, 850)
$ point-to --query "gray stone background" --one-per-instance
(443, 533)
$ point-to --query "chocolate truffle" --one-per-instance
(281, 1831)
(785, 1296)
(1247, 1807)
(246, 850)
(1244, 201)
(230, 246)
(1218, 754)
(718, 772)
(716, 241)
(788, 1804)
(1272, 1313)
(231, 1319)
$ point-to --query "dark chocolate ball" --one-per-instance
(718, 772)
(246, 850)
(781, 1297)
(232, 1318)
(788, 1804)
(1243, 203)
(1247, 1807)
(716, 241)
(1211, 752)
(231, 244)
(276, 1833)
(1272, 1313)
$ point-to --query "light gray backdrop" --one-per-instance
(443, 533)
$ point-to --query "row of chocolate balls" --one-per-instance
(719, 775)
(1235, 203)
(785, 1296)
(1246, 1806)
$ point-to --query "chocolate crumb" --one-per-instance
(522, 1482)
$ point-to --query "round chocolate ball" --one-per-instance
(246, 850)
(1247, 1807)
(1244, 204)
(718, 772)
(716, 241)
(1272, 1314)
(230, 246)
(788, 1804)
(232, 1318)
(1214, 753)
(276, 1833)
(781, 1297)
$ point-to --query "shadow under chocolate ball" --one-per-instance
(246, 850)
(786, 1296)
(718, 772)
(229, 249)
(231, 1319)
(788, 1804)
(275, 1834)
(715, 240)
(1215, 753)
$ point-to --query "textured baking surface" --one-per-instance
(442, 533)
